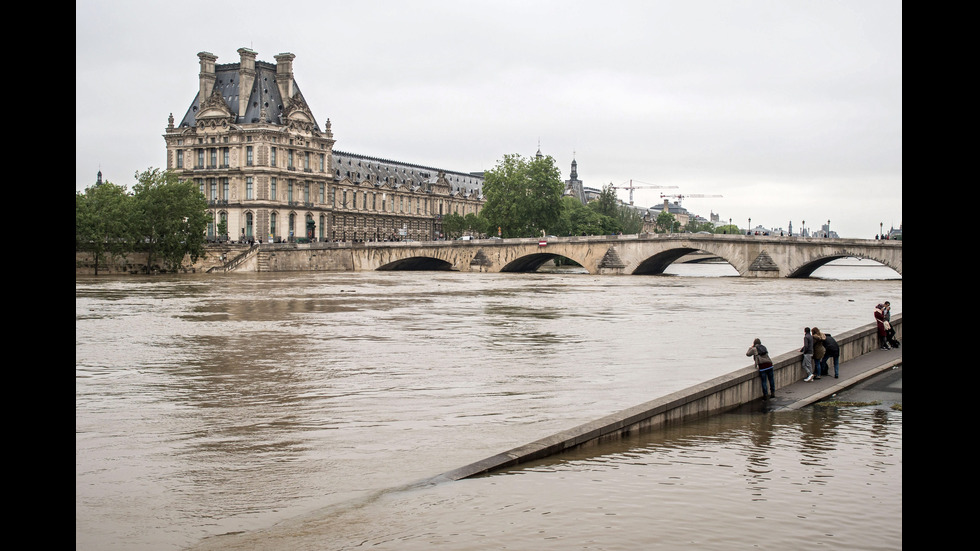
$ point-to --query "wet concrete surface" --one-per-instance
(873, 377)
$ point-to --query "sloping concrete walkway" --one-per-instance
(687, 403)
(852, 372)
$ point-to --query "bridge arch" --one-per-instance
(658, 263)
(807, 268)
(530, 262)
(417, 263)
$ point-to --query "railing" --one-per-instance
(235, 262)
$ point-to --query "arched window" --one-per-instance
(248, 224)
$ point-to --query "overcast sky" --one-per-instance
(789, 109)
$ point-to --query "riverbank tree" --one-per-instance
(104, 223)
(455, 225)
(170, 215)
(162, 216)
(523, 196)
(605, 215)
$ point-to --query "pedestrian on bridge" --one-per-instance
(764, 364)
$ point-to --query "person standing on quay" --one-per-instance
(764, 364)
(819, 351)
(807, 351)
(882, 334)
(833, 351)
(889, 330)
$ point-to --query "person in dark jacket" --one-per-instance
(833, 351)
(819, 351)
(764, 364)
(882, 335)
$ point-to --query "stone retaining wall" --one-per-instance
(712, 397)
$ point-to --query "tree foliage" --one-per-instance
(579, 219)
(455, 225)
(603, 216)
(695, 226)
(163, 216)
(665, 223)
(523, 196)
(630, 220)
(476, 223)
(731, 229)
(452, 225)
(170, 216)
(104, 222)
(607, 203)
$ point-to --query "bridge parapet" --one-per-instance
(637, 254)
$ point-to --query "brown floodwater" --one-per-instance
(307, 410)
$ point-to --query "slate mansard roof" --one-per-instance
(263, 95)
(266, 105)
(358, 168)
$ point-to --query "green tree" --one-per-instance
(665, 222)
(103, 223)
(475, 223)
(624, 218)
(607, 203)
(630, 219)
(569, 204)
(523, 196)
(579, 219)
(730, 229)
(695, 226)
(222, 229)
(452, 225)
(171, 216)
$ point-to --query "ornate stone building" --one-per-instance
(270, 173)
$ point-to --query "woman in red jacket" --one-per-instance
(882, 333)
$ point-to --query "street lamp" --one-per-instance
(881, 229)
(802, 227)
(828, 227)
(750, 225)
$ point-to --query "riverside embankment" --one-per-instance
(860, 358)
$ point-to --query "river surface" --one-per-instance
(307, 410)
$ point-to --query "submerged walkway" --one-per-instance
(739, 389)
(852, 372)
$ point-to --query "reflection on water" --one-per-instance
(215, 404)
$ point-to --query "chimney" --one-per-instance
(284, 76)
(246, 79)
(207, 75)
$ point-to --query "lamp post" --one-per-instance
(802, 227)
(828, 227)
(750, 225)
(881, 229)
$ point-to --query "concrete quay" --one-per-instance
(852, 373)
(860, 361)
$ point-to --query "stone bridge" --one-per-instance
(642, 254)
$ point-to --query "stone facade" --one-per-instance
(252, 144)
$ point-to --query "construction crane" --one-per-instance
(631, 187)
(689, 195)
